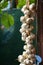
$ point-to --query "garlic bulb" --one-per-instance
(30, 37)
(22, 30)
(25, 47)
(26, 61)
(32, 7)
(30, 56)
(23, 38)
(25, 26)
(29, 20)
(22, 19)
(25, 54)
(28, 40)
(26, 16)
(28, 51)
(27, 12)
(24, 34)
(20, 58)
(24, 8)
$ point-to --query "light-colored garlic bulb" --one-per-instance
(20, 58)
(26, 61)
(27, 12)
(32, 7)
(22, 19)
(24, 8)
(22, 30)
(25, 26)
(28, 40)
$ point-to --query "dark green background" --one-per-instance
(11, 44)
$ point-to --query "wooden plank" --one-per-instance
(40, 27)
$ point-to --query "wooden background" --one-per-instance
(40, 28)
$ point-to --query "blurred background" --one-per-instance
(11, 44)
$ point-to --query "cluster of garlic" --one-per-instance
(28, 56)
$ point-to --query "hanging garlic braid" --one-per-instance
(28, 56)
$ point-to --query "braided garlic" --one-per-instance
(28, 56)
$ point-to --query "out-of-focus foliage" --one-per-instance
(32, 1)
(3, 4)
(22, 2)
(6, 19)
